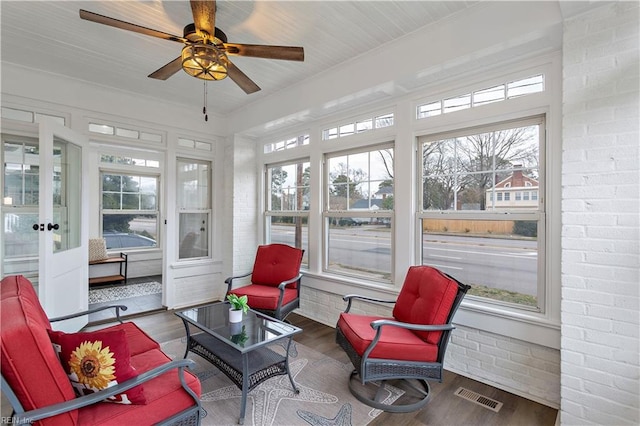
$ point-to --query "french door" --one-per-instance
(63, 268)
(45, 220)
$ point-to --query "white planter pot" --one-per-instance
(235, 315)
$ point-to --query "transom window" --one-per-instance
(471, 225)
(500, 92)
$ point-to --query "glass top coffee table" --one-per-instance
(239, 350)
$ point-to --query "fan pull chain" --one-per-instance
(204, 108)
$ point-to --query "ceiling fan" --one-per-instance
(206, 48)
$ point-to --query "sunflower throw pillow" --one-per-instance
(97, 360)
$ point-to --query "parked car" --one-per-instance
(120, 240)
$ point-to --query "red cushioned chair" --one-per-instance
(408, 346)
(275, 280)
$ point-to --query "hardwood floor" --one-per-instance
(444, 408)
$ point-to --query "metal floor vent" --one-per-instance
(476, 398)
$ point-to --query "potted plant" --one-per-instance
(239, 306)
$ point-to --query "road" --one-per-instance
(507, 264)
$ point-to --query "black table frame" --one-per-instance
(245, 367)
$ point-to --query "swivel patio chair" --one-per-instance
(410, 346)
(275, 280)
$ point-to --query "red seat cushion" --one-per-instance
(265, 297)
(395, 342)
(165, 397)
(276, 263)
(426, 297)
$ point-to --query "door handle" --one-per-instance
(37, 227)
(54, 226)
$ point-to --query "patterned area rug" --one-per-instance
(108, 294)
(324, 397)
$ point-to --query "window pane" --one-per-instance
(492, 94)
(525, 86)
(361, 181)
(130, 202)
(360, 247)
(193, 235)
(457, 103)
(289, 187)
(130, 230)
(21, 174)
(347, 129)
(133, 194)
(19, 238)
(429, 110)
(499, 259)
(291, 230)
(384, 121)
(193, 184)
(462, 173)
(363, 126)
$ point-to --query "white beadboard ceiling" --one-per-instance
(50, 36)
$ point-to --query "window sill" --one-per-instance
(522, 325)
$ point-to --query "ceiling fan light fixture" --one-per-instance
(204, 61)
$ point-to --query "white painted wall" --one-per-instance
(598, 379)
(601, 216)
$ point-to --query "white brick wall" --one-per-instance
(600, 213)
(518, 367)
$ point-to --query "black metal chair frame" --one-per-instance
(375, 369)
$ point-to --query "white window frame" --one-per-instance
(180, 210)
(536, 214)
(270, 213)
(132, 171)
(328, 214)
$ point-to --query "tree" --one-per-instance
(459, 171)
(278, 178)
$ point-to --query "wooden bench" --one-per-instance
(121, 276)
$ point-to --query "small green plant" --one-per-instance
(240, 338)
(239, 303)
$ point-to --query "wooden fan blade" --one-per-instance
(112, 22)
(204, 16)
(241, 79)
(287, 53)
(168, 70)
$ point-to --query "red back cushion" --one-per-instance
(426, 297)
(28, 361)
(276, 263)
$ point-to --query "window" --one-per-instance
(287, 210)
(194, 208)
(358, 213)
(20, 203)
(129, 210)
(290, 143)
(501, 92)
(465, 230)
(362, 125)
